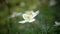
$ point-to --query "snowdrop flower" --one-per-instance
(14, 14)
(57, 23)
(29, 16)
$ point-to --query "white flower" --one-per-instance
(29, 16)
(57, 23)
(14, 14)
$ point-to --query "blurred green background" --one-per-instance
(44, 20)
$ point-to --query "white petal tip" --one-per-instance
(32, 20)
(37, 12)
(22, 21)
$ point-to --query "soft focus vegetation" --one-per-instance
(44, 23)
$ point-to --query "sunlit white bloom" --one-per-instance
(29, 16)
(14, 14)
(57, 23)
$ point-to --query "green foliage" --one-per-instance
(44, 20)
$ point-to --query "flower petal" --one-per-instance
(35, 13)
(24, 21)
(57, 23)
(23, 16)
(31, 20)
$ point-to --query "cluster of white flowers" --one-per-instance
(28, 16)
